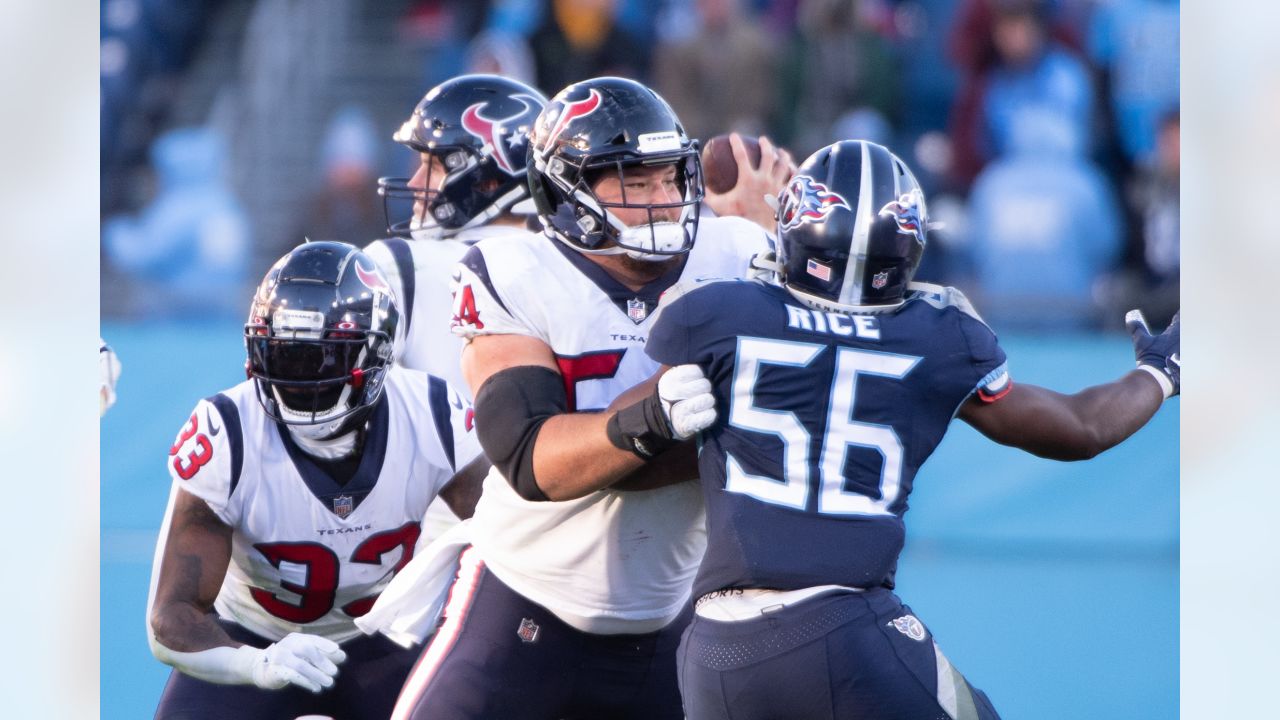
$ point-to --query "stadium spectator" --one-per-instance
(186, 251)
(835, 61)
(1013, 56)
(1134, 43)
(343, 208)
(721, 77)
(582, 38)
(1044, 226)
(1150, 278)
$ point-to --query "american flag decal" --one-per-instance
(818, 270)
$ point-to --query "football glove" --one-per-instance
(1157, 354)
(308, 661)
(679, 407)
(108, 374)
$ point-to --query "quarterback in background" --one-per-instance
(470, 136)
(571, 602)
(834, 381)
(297, 495)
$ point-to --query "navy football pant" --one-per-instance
(365, 688)
(498, 655)
(835, 656)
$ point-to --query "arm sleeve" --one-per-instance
(201, 460)
(990, 365)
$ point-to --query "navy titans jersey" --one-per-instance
(824, 420)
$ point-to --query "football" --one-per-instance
(719, 168)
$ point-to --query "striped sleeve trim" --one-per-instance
(995, 385)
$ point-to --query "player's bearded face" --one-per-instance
(641, 187)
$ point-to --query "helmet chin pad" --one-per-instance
(655, 242)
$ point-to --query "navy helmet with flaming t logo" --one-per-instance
(852, 226)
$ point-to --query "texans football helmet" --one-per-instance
(320, 337)
(608, 125)
(478, 127)
(852, 226)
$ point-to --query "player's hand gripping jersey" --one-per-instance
(307, 554)
(825, 419)
(617, 555)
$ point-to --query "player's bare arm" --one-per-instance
(571, 454)
(547, 452)
(196, 554)
(679, 464)
(463, 491)
(1080, 426)
(1067, 427)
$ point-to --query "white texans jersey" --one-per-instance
(611, 556)
(419, 272)
(309, 555)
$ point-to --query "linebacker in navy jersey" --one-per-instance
(833, 386)
(297, 495)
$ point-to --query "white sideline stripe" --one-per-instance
(455, 612)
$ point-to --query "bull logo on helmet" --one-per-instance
(571, 111)
(489, 131)
(905, 212)
(372, 279)
(807, 200)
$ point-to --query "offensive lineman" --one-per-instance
(571, 601)
(834, 386)
(297, 495)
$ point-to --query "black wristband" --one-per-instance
(642, 428)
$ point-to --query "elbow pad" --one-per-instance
(510, 409)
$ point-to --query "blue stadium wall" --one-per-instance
(1051, 586)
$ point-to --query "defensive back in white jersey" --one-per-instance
(308, 554)
(612, 561)
(419, 272)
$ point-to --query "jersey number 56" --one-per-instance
(842, 431)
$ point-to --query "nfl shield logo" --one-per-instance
(880, 279)
(636, 310)
(343, 505)
(528, 631)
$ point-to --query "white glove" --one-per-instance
(108, 373)
(308, 661)
(679, 407)
(687, 402)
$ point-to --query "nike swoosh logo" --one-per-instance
(212, 429)
(1176, 359)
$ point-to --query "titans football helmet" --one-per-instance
(608, 125)
(320, 338)
(852, 226)
(478, 127)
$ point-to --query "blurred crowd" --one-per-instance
(1046, 131)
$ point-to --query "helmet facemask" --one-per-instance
(592, 225)
(314, 384)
